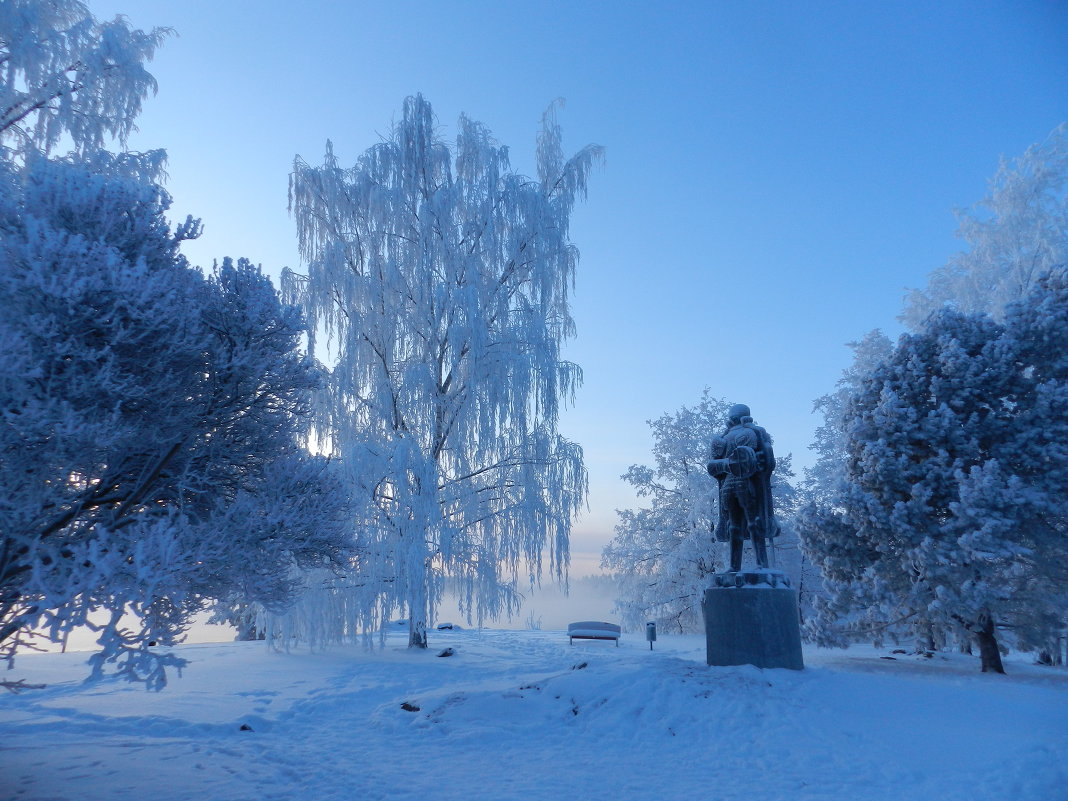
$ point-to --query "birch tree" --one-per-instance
(441, 278)
(1015, 235)
(64, 73)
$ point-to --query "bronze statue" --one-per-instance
(742, 463)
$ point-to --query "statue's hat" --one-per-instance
(738, 411)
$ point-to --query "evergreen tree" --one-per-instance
(952, 516)
(152, 422)
(152, 419)
(1017, 234)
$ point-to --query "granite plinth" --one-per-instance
(751, 618)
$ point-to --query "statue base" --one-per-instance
(751, 618)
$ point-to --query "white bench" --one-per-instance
(593, 630)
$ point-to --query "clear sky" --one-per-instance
(777, 173)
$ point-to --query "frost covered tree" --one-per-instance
(152, 419)
(823, 477)
(952, 515)
(63, 73)
(151, 422)
(663, 554)
(1018, 233)
(1015, 235)
(441, 277)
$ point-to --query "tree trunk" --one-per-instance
(1052, 656)
(989, 655)
(417, 613)
(928, 641)
(416, 633)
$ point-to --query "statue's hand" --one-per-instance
(719, 447)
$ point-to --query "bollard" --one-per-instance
(650, 633)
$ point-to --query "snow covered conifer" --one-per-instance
(150, 423)
(442, 278)
(822, 478)
(152, 419)
(952, 515)
(1016, 235)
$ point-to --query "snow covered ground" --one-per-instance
(523, 715)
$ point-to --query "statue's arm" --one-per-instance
(718, 466)
(769, 452)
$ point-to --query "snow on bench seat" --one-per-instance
(593, 630)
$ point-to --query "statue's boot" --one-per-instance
(760, 549)
(736, 554)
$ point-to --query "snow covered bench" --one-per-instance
(592, 630)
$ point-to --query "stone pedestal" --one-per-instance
(751, 618)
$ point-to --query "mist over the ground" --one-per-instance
(550, 606)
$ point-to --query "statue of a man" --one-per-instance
(742, 463)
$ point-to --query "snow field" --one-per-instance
(523, 715)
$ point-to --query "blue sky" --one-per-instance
(777, 174)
